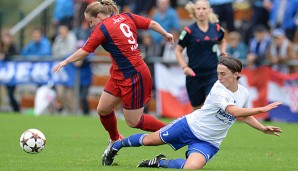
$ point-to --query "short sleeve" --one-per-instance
(96, 38)
(184, 37)
(220, 31)
(141, 22)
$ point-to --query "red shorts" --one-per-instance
(135, 91)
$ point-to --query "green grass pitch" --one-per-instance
(77, 143)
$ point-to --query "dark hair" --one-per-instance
(233, 64)
(260, 28)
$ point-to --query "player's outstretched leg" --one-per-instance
(153, 162)
(109, 155)
(114, 147)
(108, 150)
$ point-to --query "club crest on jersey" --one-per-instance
(118, 20)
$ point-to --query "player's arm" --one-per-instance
(78, 55)
(222, 45)
(222, 48)
(182, 63)
(243, 112)
(179, 56)
(251, 121)
(157, 27)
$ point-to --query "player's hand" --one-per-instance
(189, 72)
(270, 107)
(59, 66)
(169, 38)
(272, 130)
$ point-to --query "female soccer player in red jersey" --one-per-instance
(130, 81)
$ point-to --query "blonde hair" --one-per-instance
(191, 7)
(106, 7)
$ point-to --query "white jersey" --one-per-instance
(211, 123)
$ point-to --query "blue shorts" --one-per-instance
(198, 87)
(178, 134)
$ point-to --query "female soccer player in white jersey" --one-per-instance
(204, 129)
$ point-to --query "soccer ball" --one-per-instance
(32, 141)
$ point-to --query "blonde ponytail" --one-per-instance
(213, 18)
(190, 7)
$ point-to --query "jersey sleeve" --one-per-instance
(141, 22)
(184, 37)
(96, 38)
(220, 31)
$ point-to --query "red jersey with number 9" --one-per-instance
(118, 36)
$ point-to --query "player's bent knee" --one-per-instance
(102, 111)
(131, 123)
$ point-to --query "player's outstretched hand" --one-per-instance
(59, 66)
(169, 38)
(272, 130)
(270, 107)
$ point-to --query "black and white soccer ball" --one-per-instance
(32, 141)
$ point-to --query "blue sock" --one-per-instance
(131, 141)
(176, 164)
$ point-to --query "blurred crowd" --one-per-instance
(258, 32)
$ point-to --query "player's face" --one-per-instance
(202, 10)
(226, 77)
(93, 21)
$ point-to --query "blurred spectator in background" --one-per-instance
(7, 47)
(63, 13)
(168, 18)
(80, 6)
(39, 46)
(169, 50)
(85, 69)
(260, 14)
(225, 12)
(281, 52)
(7, 50)
(147, 47)
(85, 82)
(65, 43)
(236, 47)
(142, 7)
(83, 32)
(258, 47)
(284, 14)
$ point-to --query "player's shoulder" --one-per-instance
(218, 85)
(96, 28)
(218, 88)
(243, 89)
(217, 27)
(188, 29)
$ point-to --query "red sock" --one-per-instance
(149, 123)
(109, 122)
